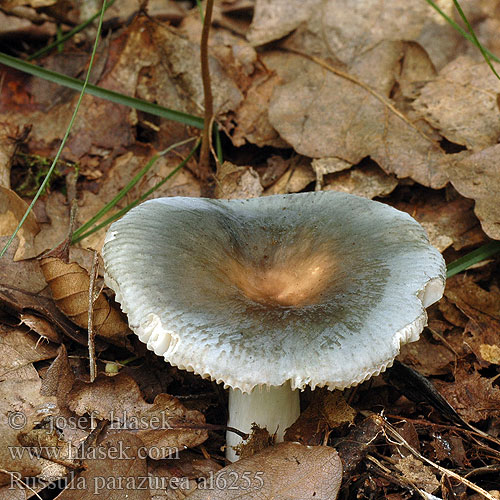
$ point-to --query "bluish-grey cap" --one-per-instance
(317, 288)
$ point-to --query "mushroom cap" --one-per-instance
(317, 288)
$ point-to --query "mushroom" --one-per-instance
(269, 295)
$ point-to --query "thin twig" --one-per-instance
(204, 166)
(93, 276)
(397, 439)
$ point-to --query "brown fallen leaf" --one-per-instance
(363, 124)
(482, 307)
(251, 117)
(259, 440)
(233, 181)
(478, 177)
(295, 179)
(273, 19)
(327, 411)
(174, 479)
(69, 284)
(12, 209)
(274, 168)
(419, 474)
(448, 446)
(427, 356)
(461, 102)
(368, 181)
(21, 408)
(473, 396)
(121, 171)
(19, 347)
(286, 471)
(448, 222)
(114, 469)
(8, 133)
(165, 426)
(325, 166)
(41, 326)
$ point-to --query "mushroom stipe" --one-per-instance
(271, 294)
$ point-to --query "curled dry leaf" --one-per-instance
(325, 166)
(19, 348)
(21, 408)
(12, 209)
(251, 117)
(41, 326)
(295, 179)
(234, 181)
(368, 181)
(326, 411)
(7, 147)
(69, 284)
(164, 426)
(287, 471)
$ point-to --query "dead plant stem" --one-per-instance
(92, 297)
(204, 163)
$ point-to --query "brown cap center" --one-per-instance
(296, 282)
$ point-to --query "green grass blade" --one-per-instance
(75, 84)
(123, 211)
(473, 35)
(66, 135)
(125, 190)
(474, 257)
(218, 145)
(464, 33)
(68, 35)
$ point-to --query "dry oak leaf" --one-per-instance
(482, 307)
(419, 474)
(295, 179)
(165, 426)
(233, 181)
(21, 408)
(322, 114)
(174, 479)
(117, 470)
(12, 209)
(288, 471)
(447, 222)
(273, 19)
(473, 396)
(326, 411)
(19, 348)
(478, 177)
(461, 102)
(69, 284)
(368, 181)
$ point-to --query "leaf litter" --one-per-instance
(379, 99)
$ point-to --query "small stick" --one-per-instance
(203, 165)
(396, 438)
(91, 332)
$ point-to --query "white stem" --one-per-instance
(275, 408)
